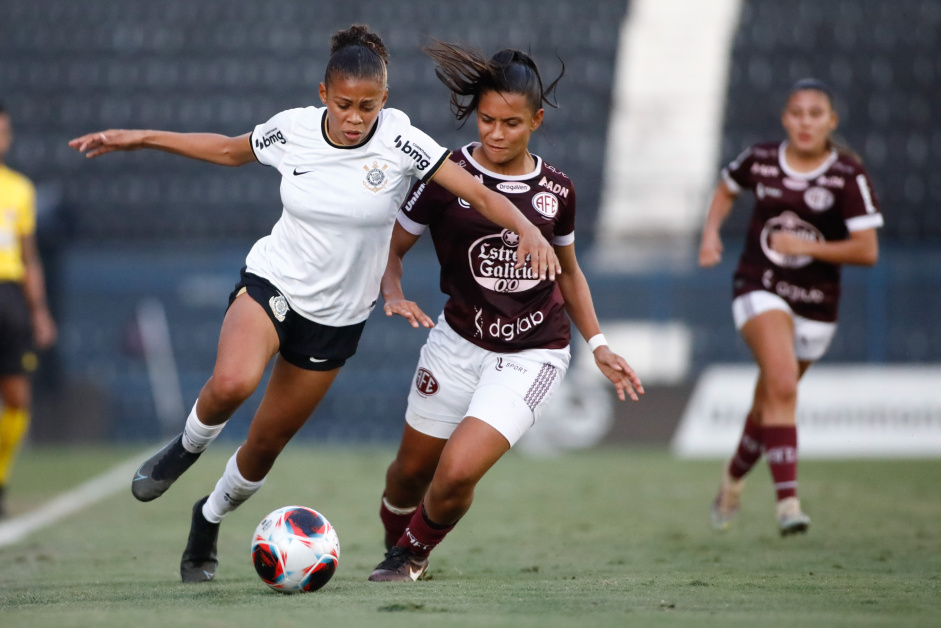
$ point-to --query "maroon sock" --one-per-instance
(780, 443)
(394, 523)
(422, 534)
(749, 449)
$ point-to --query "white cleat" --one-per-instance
(791, 520)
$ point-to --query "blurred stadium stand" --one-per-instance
(138, 225)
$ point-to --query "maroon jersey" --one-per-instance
(824, 205)
(492, 304)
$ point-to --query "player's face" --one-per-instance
(352, 108)
(505, 122)
(809, 119)
(6, 135)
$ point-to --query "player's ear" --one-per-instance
(323, 93)
(537, 119)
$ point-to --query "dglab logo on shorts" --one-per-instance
(546, 204)
(425, 383)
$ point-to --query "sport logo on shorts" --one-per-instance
(425, 383)
(279, 307)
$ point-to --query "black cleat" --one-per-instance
(155, 476)
(400, 565)
(200, 560)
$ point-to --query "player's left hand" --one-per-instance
(788, 244)
(410, 310)
(620, 373)
(540, 254)
(44, 329)
(102, 142)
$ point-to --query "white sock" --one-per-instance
(231, 490)
(197, 435)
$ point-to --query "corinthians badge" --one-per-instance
(279, 307)
(376, 179)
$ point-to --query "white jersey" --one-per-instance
(327, 252)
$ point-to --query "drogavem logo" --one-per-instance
(421, 157)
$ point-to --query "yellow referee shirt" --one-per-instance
(17, 220)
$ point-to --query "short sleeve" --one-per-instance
(860, 205)
(421, 155)
(737, 175)
(271, 140)
(564, 232)
(26, 212)
(424, 204)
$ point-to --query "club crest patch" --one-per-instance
(376, 179)
(279, 307)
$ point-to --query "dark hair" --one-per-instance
(466, 72)
(813, 84)
(357, 53)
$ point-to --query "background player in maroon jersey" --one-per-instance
(500, 347)
(814, 210)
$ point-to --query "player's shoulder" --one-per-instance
(553, 173)
(15, 181)
(847, 163)
(394, 120)
(766, 151)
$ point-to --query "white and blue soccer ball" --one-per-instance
(295, 549)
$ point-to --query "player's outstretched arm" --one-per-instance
(710, 250)
(211, 147)
(497, 208)
(581, 309)
(391, 285)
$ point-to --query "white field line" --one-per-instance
(80, 497)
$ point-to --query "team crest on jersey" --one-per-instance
(279, 307)
(818, 199)
(376, 179)
(788, 222)
(546, 204)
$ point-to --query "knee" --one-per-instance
(410, 473)
(455, 481)
(231, 389)
(781, 387)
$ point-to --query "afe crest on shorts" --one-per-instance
(425, 383)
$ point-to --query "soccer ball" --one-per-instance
(295, 549)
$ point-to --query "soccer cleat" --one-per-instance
(161, 470)
(400, 565)
(725, 506)
(791, 520)
(199, 558)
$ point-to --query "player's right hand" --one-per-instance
(410, 310)
(710, 251)
(102, 142)
(536, 250)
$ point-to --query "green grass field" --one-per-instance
(610, 537)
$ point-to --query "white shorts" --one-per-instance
(456, 378)
(811, 338)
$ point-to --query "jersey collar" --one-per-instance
(468, 154)
(326, 138)
(813, 174)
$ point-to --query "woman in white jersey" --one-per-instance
(501, 346)
(814, 211)
(309, 286)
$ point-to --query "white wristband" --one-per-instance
(596, 341)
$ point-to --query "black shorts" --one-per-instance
(17, 350)
(304, 343)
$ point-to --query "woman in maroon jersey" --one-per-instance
(501, 346)
(814, 211)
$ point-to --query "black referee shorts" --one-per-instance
(17, 349)
(304, 343)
